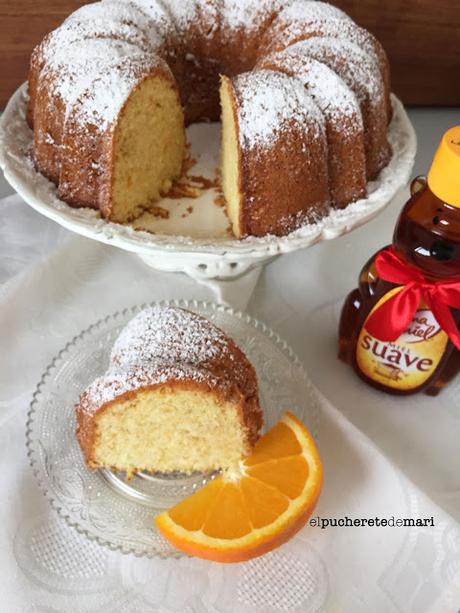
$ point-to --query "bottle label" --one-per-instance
(408, 362)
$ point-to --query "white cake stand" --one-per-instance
(195, 241)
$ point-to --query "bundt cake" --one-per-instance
(304, 101)
(179, 395)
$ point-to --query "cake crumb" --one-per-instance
(159, 211)
(190, 186)
(181, 189)
(203, 182)
(219, 201)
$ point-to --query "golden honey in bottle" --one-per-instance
(420, 276)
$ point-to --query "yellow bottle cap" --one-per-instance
(444, 174)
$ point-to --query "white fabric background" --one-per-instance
(383, 456)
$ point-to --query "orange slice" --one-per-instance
(239, 517)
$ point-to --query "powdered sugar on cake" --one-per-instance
(330, 93)
(111, 49)
(117, 382)
(154, 9)
(248, 13)
(172, 334)
(358, 68)
(101, 104)
(183, 12)
(271, 102)
(164, 345)
(302, 12)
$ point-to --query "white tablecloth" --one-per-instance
(383, 456)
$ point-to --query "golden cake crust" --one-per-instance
(343, 121)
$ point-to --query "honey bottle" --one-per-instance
(400, 328)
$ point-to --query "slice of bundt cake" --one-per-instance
(274, 154)
(179, 396)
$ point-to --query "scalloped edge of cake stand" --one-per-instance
(219, 259)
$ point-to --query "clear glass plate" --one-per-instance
(103, 505)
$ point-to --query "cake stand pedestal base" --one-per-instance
(231, 280)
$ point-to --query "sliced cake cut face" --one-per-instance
(184, 425)
(148, 146)
(179, 396)
(231, 158)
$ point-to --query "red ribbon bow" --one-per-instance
(394, 316)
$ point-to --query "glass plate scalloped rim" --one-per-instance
(297, 394)
(38, 192)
